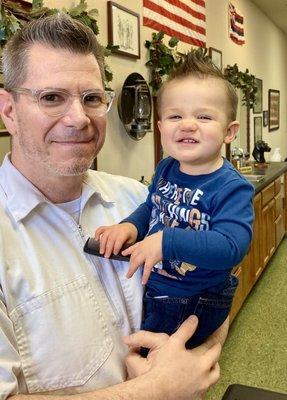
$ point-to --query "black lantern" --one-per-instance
(134, 106)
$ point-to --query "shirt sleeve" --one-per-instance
(10, 365)
(229, 237)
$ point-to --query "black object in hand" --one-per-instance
(92, 246)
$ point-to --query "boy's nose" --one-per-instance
(189, 124)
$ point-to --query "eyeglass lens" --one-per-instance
(56, 103)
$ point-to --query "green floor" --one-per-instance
(255, 352)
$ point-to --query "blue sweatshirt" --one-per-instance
(206, 222)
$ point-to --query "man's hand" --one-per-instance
(112, 238)
(148, 252)
(184, 374)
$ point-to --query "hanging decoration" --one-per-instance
(236, 30)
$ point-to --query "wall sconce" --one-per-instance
(134, 106)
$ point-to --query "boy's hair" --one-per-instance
(58, 31)
(195, 65)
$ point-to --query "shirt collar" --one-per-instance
(23, 197)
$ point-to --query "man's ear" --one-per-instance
(232, 130)
(7, 111)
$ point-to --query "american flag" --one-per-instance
(184, 19)
(236, 31)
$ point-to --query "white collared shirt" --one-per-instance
(63, 312)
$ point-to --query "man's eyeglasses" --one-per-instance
(56, 102)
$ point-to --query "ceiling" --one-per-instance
(275, 10)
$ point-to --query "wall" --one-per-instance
(265, 54)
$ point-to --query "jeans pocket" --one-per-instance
(161, 314)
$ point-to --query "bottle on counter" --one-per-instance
(276, 156)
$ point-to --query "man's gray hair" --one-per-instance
(58, 31)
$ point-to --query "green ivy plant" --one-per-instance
(13, 17)
(244, 81)
(163, 59)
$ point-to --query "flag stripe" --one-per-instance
(171, 16)
(171, 32)
(184, 19)
(185, 7)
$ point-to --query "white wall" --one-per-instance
(265, 54)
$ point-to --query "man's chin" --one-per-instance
(71, 168)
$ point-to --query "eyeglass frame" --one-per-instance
(36, 93)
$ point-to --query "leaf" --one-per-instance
(79, 9)
(173, 41)
(37, 4)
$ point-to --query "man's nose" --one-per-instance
(76, 115)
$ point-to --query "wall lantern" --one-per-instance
(134, 106)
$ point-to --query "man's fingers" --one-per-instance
(146, 339)
(186, 329)
(136, 365)
(212, 355)
(214, 374)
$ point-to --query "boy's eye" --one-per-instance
(205, 117)
(174, 117)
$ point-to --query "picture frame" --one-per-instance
(124, 30)
(274, 109)
(216, 57)
(257, 106)
(257, 129)
(265, 118)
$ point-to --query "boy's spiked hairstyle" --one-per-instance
(196, 65)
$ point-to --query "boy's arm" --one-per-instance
(228, 238)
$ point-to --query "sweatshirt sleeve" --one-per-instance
(141, 216)
(229, 237)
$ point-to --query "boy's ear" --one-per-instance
(232, 130)
(7, 111)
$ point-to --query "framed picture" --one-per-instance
(257, 129)
(257, 106)
(124, 30)
(274, 109)
(216, 57)
(265, 118)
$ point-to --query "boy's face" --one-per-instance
(194, 123)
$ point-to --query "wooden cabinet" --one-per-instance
(268, 230)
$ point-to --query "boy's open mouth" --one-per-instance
(187, 140)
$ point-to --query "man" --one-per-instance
(63, 313)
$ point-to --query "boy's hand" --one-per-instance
(148, 252)
(112, 238)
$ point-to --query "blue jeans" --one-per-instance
(167, 314)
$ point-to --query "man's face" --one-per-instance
(59, 146)
(194, 124)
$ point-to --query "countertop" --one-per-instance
(272, 171)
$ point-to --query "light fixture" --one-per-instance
(134, 106)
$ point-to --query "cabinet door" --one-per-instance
(268, 231)
(238, 298)
(256, 264)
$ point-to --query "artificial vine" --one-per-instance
(13, 16)
(244, 81)
(163, 59)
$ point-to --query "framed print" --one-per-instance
(274, 109)
(257, 106)
(216, 57)
(265, 118)
(124, 30)
(257, 129)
